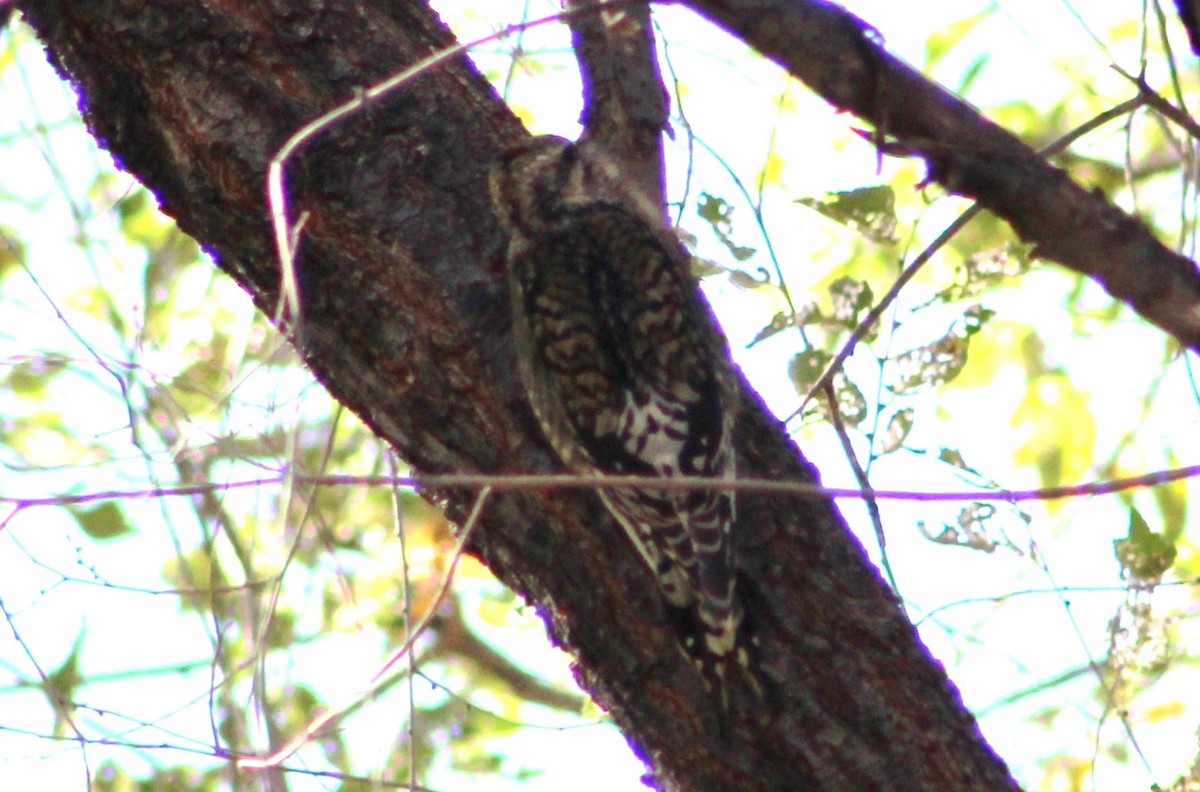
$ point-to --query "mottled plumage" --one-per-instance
(625, 371)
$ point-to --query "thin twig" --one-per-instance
(286, 237)
(507, 483)
(860, 476)
(951, 230)
(332, 715)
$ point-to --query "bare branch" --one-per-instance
(625, 101)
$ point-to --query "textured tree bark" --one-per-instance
(405, 320)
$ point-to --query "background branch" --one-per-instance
(843, 59)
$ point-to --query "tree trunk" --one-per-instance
(404, 317)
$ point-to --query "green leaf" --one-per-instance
(109, 777)
(718, 213)
(974, 318)
(850, 298)
(947, 36)
(851, 404)
(954, 458)
(30, 377)
(972, 74)
(704, 268)
(897, 431)
(1172, 503)
(744, 280)
(779, 322)
(197, 387)
(806, 367)
(1056, 419)
(714, 210)
(970, 529)
(196, 574)
(130, 208)
(60, 686)
(12, 251)
(1143, 554)
(869, 210)
(931, 365)
(987, 269)
(103, 521)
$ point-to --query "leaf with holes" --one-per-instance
(869, 210)
(1144, 555)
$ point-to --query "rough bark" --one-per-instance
(405, 321)
(626, 105)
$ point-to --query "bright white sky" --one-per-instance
(731, 104)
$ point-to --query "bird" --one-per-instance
(627, 373)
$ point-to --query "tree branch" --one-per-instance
(841, 58)
(406, 322)
(625, 102)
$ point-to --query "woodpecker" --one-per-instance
(627, 374)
